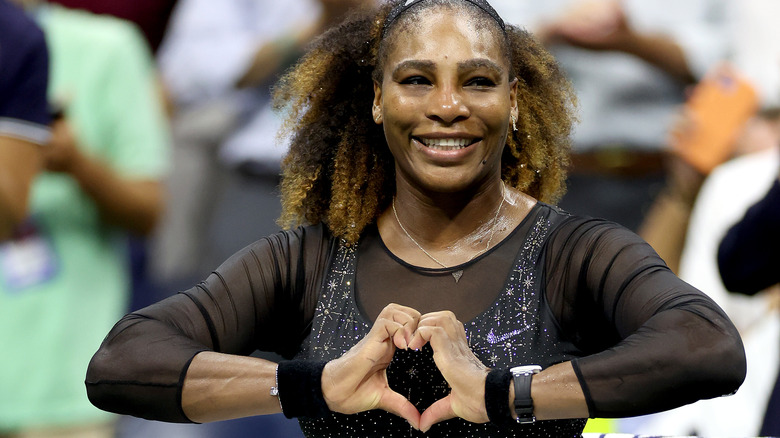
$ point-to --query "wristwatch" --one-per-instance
(524, 405)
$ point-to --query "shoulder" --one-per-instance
(24, 71)
(95, 33)
(586, 235)
(18, 32)
(311, 242)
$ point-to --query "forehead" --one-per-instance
(445, 33)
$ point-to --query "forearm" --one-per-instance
(222, 387)
(556, 393)
(660, 51)
(132, 204)
(8, 216)
(677, 358)
(271, 57)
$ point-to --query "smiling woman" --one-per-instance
(426, 285)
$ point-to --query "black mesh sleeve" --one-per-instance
(262, 298)
(653, 342)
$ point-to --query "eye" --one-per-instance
(480, 81)
(416, 80)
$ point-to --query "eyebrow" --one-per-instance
(471, 64)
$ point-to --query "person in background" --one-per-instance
(151, 16)
(24, 112)
(748, 261)
(218, 62)
(630, 62)
(69, 276)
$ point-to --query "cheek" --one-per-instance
(400, 113)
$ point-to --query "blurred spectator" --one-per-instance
(151, 16)
(754, 56)
(218, 61)
(24, 113)
(629, 62)
(748, 260)
(69, 278)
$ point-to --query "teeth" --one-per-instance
(446, 144)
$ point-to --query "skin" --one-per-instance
(20, 161)
(131, 203)
(444, 79)
(270, 57)
(447, 80)
(601, 25)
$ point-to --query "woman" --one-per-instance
(423, 216)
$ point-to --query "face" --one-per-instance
(445, 102)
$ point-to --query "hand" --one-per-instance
(62, 152)
(460, 367)
(357, 381)
(593, 24)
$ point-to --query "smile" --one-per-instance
(447, 144)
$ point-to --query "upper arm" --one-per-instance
(263, 297)
(24, 115)
(608, 283)
(651, 341)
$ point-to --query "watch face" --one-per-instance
(526, 369)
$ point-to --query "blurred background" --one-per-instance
(678, 135)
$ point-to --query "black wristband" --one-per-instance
(300, 389)
(497, 396)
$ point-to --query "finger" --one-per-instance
(438, 337)
(407, 317)
(421, 337)
(409, 325)
(393, 308)
(439, 411)
(400, 340)
(443, 325)
(397, 404)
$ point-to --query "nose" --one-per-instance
(447, 106)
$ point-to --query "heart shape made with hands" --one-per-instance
(425, 356)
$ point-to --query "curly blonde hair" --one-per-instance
(339, 170)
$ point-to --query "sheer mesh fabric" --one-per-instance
(652, 342)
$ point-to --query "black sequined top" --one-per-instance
(558, 288)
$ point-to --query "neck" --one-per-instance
(443, 220)
(444, 230)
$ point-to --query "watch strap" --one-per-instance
(524, 405)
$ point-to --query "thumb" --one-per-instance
(439, 411)
(397, 404)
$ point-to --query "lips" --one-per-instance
(447, 144)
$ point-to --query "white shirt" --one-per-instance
(209, 45)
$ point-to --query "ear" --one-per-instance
(376, 110)
(514, 110)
